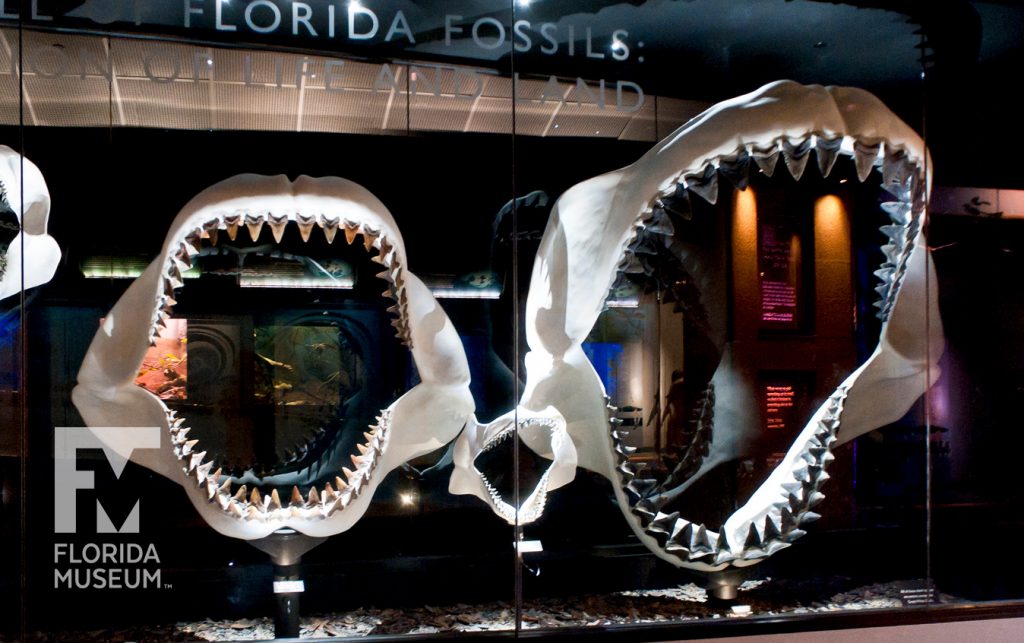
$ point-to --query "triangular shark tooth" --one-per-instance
(203, 470)
(771, 532)
(351, 231)
(235, 510)
(898, 211)
(796, 156)
(277, 226)
(296, 498)
(362, 449)
(885, 274)
(330, 227)
(705, 184)
(275, 500)
(255, 498)
(659, 223)
(753, 538)
(196, 460)
(314, 497)
(369, 237)
(188, 446)
(766, 158)
(865, 157)
(349, 474)
(254, 224)
(808, 517)
(340, 484)
(736, 169)
(241, 495)
(305, 225)
(894, 170)
(231, 223)
(894, 232)
(827, 151)
(663, 523)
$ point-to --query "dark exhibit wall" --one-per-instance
(638, 319)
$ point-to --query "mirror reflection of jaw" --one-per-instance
(604, 228)
(28, 255)
(422, 420)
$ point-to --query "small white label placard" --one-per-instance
(529, 546)
(289, 586)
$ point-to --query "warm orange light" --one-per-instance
(830, 222)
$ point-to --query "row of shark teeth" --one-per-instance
(701, 426)
(245, 505)
(902, 177)
(191, 245)
(533, 508)
(775, 529)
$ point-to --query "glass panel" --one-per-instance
(700, 319)
(294, 406)
(977, 222)
(696, 341)
(12, 390)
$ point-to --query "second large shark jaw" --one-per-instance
(31, 257)
(598, 230)
(425, 418)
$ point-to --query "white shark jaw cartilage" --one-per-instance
(425, 418)
(543, 433)
(31, 257)
(596, 233)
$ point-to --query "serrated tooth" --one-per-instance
(898, 211)
(255, 498)
(368, 435)
(356, 460)
(241, 494)
(766, 158)
(277, 226)
(203, 470)
(351, 231)
(188, 446)
(369, 237)
(330, 227)
(329, 494)
(314, 497)
(362, 449)
(808, 517)
(705, 184)
(894, 170)
(660, 223)
(235, 510)
(796, 156)
(894, 232)
(753, 538)
(864, 157)
(348, 474)
(222, 500)
(196, 460)
(231, 223)
(193, 243)
(225, 488)
(737, 170)
(815, 498)
(771, 531)
(340, 484)
(885, 274)
(892, 253)
(254, 224)
(827, 151)
(305, 224)
(296, 498)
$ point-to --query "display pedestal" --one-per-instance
(285, 548)
(724, 586)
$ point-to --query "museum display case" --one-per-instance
(382, 318)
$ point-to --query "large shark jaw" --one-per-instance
(31, 257)
(425, 418)
(544, 433)
(598, 230)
